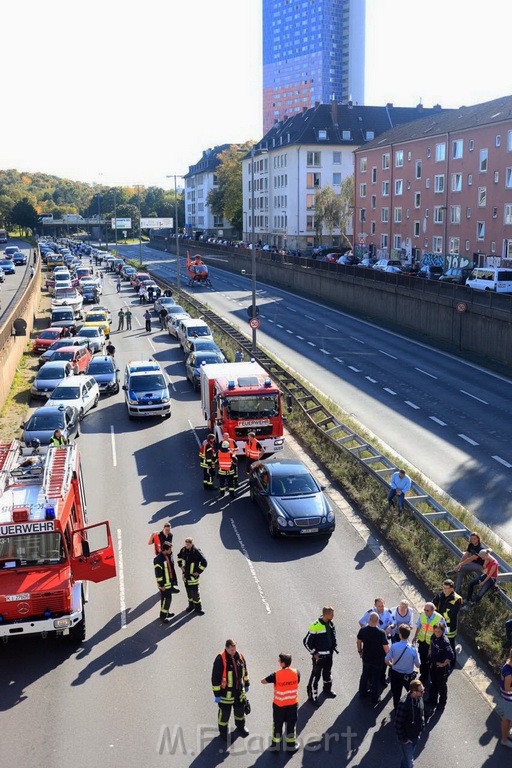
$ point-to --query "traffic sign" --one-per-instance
(461, 307)
(252, 311)
(254, 323)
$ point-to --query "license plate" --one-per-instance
(13, 598)
(309, 530)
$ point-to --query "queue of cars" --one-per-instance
(10, 258)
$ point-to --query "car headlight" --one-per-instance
(330, 516)
(281, 521)
(132, 402)
(279, 441)
(166, 399)
(62, 623)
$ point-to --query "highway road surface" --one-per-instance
(11, 283)
(138, 693)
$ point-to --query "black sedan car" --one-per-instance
(103, 370)
(194, 362)
(290, 498)
(19, 258)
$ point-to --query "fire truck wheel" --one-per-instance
(77, 633)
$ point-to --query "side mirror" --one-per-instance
(289, 402)
(124, 387)
(22, 426)
(117, 370)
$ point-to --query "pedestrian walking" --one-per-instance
(321, 643)
(486, 581)
(410, 722)
(147, 319)
(226, 469)
(400, 484)
(441, 655)
(34, 258)
(192, 563)
(403, 659)
(120, 318)
(423, 636)
(372, 646)
(165, 574)
(150, 294)
(207, 461)
(506, 702)
(402, 614)
(32, 272)
(233, 448)
(118, 285)
(449, 603)
(230, 684)
(142, 295)
(128, 318)
(470, 562)
(162, 316)
(285, 705)
(253, 449)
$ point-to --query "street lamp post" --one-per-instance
(115, 216)
(140, 231)
(253, 256)
(178, 276)
(98, 198)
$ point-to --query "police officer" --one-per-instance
(403, 659)
(207, 460)
(441, 656)
(321, 643)
(230, 684)
(253, 449)
(233, 448)
(226, 469)
(192, 563)
(165, 574)
(285, 705)
(449, 603)
(58, 438)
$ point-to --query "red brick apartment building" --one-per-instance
(440, 187)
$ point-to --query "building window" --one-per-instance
(397, 241)
(457, 149)
(372, 228)
(362, 190)
(362, 215)
(480, 230)
(437, 244)
(498, 140)
(336, 180)
(439, 183)
(313, 180)
(385, 188)
(470, 179)
(399, 158)
(313, 158)
(508, 178)
(336, 158)
(471, 145)
(468, 213)
(399, 186)
(454, 245)
(416, 228)
(362, 164)
(495, 212)
(466, 245)
(428, 152)
(374, 175)
(322, 134)
(438, 214)
(496, 176)
(417, 199)
(370, 135)
(384, 215)
(509, 141)
(454, 214)
(385, 161)
(384, 241)
(310, 202)
(507, 218)
(482, 197)
(398, 215)
(427, 183)
(456, 182)
(374, 201)
(440, 152)
(484, 156)
(310, 223)
(418, 169)
(346, 135)
(493, 246)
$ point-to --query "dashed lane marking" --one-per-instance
(438, 421)
(469, 440)
(339, 360)
(412, 405)
(251, 567)
(373, 381)
(353, 368)
(288, 331)
(300, 337)
(502, 461)
(391, 391)
(151, 345)
(359, 341)
(194, 433)
(473, 396)
(332, 328)
(120, 574)
(324, 351)
(431, 375)
(311, 344)
(279, 325)
(387, 354)
(113, 444)
(310, 318)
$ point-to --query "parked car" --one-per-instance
(63, 317)
(430, 272)
(7, 265)
(146, 390)
(381, 264)
(45, 339)
(19, 258)
(44, 421)
(48, 377)
(82, 392)
(95, 337)
(292, 501)
(69, 341)
(105, 373)
(194, 362)
(164, 301)
(174, 316)
(457, 275)
(127, 271)
(79, 357)
(206, 345)
(9, 252)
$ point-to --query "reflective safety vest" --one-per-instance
(286, 687)
(225, 460)
(58, 440)
(427, 626)
(253, 448)
(232, 444)
(224, 679)
(206, 457)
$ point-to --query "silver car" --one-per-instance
(95, 338)
(48, 377)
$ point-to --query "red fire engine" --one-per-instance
(239, 398)
(46, 557)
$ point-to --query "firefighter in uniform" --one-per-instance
(165, 575)
(226, 468)
(207, 459)
(192, 563)
(230, 683)
(233, 448)
(158, 540)
(423, 635)
(321, 643)
(253, 449)
(449, 603)
(285, 705)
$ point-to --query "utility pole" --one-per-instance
(140, 232)
(178, 276)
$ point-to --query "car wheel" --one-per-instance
(95, 401)
(252, 495)
(81, 414)
(116, 390)
(271, 528)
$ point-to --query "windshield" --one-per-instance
(175, 309)
(58, 355)
(100, 366)
(293, 485)
(46, 420)
(198, 330)
(207, 359)
(96, 318)
(89, 332)
(249, 406)
(63, 314)
(66, 393)
(31, 549)
(49, 334)
(65, 293)
(51, 373)
(147, 383)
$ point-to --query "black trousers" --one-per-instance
(423, 649)
(148, 325)
(194, 598)
(165, 602)
(371, 677)
(438, 686)
(321, 668)
(284, 716)
(398, 683)
(227, 476)
(237, 705)
(208, 477)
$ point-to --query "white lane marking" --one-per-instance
(359, 341)
(270, 321)
(412, 405)
(113, 444)
(120, 574)
(332, 328)
(170, 382)
(288, 331)
(310, 318)
(387, 354)
(438, 421)
(151, 345)
(324, 351)
(251, 567)
(469, 440)
(339, 360)
(502, 461)
(391, 392)
(279, 326)
(139, 322)
(194, 433)
(373, 381)
(425, 373)
(353, 368)
(290, 309)
(311, 344)
(473, 396)
(262, 317)
(300, 337)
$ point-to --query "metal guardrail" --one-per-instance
(444, 525)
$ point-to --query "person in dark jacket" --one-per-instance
(441, 656)
(372, 646)
(165, 575)
(449, 603)
(192, 563)
(230, 683)
(321, 643)
(410, 722)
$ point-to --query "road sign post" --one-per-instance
(254, 323)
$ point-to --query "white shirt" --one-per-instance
(385, 618)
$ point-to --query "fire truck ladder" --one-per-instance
(9, 453)
(58, 471)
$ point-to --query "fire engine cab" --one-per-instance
(46, 552)
(239, 398)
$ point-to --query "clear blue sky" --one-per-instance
(101, 92)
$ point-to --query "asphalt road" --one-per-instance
(12, 282)
(137, 692)
(449, 418)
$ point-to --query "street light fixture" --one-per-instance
(254, 310)
(175, 176)
(140, 231)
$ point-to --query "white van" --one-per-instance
(497, 279)
(191, 328)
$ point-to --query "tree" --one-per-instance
(334, 211)
(227, 199)
(347, 207)
(24, 215)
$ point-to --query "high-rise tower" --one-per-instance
(313, 50)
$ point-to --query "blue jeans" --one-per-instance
(407, 751)
(399, 497)
(489, 584)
